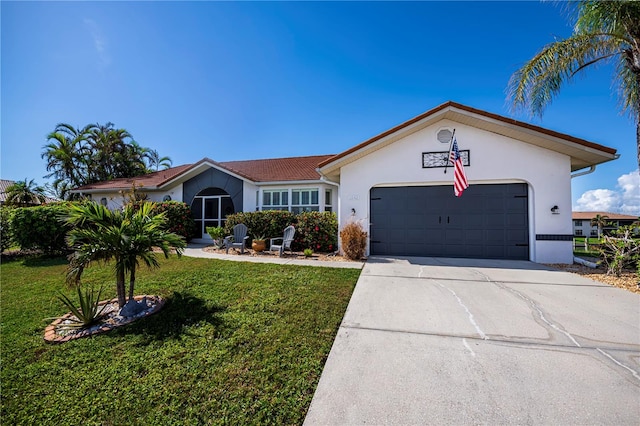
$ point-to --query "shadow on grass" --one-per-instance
(43, 260)
(180, 311)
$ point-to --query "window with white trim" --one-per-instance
(275, 200)
(327, 200)
(305, 200)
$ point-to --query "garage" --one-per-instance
(487, 221)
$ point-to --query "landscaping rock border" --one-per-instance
(55, 332)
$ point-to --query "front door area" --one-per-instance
(210, 207)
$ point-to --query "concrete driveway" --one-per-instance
(459, 341)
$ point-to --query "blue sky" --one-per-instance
(248, 80)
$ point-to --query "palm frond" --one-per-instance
(534, 85)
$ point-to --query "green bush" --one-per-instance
(315, 230)
(40, 227)
(179, 220)
(6, 234)
(270, 223)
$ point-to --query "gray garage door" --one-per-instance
(487, 221)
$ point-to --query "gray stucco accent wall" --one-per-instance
(214, 178)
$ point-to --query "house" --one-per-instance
(4, 184)
(582, 226)
(398, 185)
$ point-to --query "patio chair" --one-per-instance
(286, 241)
(238, 239)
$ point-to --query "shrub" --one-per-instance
(270, 223)
(620, 251)
(6, 234)
(217, 234)
(179, 220)
(317, 231)
(40, 227)
(354, 240)
(88, 312)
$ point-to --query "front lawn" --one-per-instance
(238, 343)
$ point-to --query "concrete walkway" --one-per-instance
(458, 341)
(196, 250)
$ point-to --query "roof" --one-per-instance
(591, 215)
(4, 184)
(155, 179)
(265, 170)
(583, 153)
(278, 169)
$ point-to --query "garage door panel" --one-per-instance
(488, 221)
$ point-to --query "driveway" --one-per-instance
(459, 341)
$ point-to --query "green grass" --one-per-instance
(579, 249)
(237, 343)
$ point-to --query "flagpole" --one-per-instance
(453, 135)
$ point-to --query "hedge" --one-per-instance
(179, 220)
(40, 227)
(315, 230)
(6, 233)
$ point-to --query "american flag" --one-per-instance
(459, 178)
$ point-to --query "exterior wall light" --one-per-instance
(554, 210)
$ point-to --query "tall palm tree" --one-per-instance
(63, 156)
(127, 237)
(605, 31)
(600, 221)
(24, 193)
(155, 161)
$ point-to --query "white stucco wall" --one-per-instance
(115, 199)
(249, 196)
(493, 159)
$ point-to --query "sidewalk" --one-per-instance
(196, 250)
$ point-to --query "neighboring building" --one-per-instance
(517, 206)
(582, 222)
(4, 184)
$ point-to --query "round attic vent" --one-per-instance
(444, 135)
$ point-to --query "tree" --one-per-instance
(154, 161)
(604, 31)
(600, 221)
(24, 194)
(94, 153)
(127, 237)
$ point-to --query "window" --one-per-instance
(594, 233)
(275, 200)
(327, 200)
(304, 200)
(579, 232)
(577, 222)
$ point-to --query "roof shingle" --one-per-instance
(267, 170)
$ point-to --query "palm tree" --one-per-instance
(155, 161)
(127, 237)
(604, 31)
(23, 194)
(64, 159)
(600, 221)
